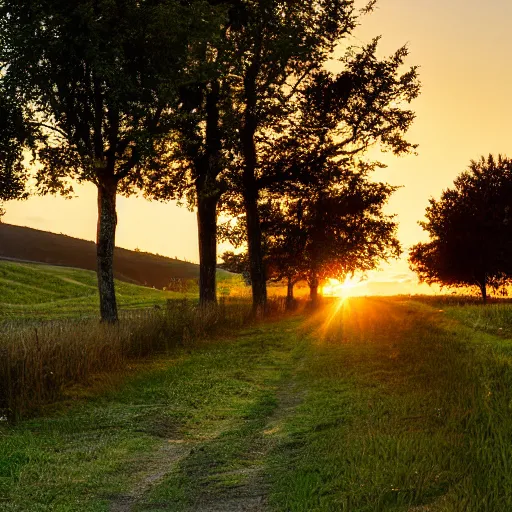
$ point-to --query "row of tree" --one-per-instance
(470, 230)
(225, 103)
(320, 234)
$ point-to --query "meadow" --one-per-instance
(364, 404)
(32, 291)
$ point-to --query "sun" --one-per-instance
(336, 288)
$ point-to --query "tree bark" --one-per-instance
(483, 291)
(250, 186)
(289, 295)
(255, 250)
(209, 191)
(313, 290)
(207, 229)
(105, 244)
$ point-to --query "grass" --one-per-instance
(32, 291)
(41, 358)
(405, 410)
(367, 405)
(90, 455)
(22, 243)
(44, 292)
(39, 363)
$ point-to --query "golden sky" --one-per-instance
(464, 50)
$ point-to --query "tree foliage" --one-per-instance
(326, 233)
(470, 230)
(103, 79)
(335, 233)
(341, 116)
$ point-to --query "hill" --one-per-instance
(35, 291)
(33, 245)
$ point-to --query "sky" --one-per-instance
(463, 49)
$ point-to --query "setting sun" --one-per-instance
(337, 288)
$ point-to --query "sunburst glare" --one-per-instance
(342, 289)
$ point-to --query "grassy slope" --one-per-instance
(136, 267)
(47, 292)
(386, 405)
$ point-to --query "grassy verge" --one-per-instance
(102, 453)
(405, 410)
(379, 405)
(39, 362)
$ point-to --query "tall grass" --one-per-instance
(39, 360)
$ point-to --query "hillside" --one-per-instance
(35, 291)
(33, 245)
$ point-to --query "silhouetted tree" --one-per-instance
(470, 230)
(328, 233)
(204, 140)
(338, 117)
(341, 231)
(16, 136)
(238, 263)
(328, 118)
(103, 78)
(279, 45)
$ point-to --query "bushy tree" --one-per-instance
(335, 233)
(330, 120)
(327, 232)
(103, 79)
(470, 230)
(277, 47)
(238, 263)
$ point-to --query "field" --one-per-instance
(371, 404)
(45, 292)
(152, 270)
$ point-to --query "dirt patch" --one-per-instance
(152, 469)
(249, 490)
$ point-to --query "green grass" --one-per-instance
(85, 457)
(405, 410)
(378, 405)
(46, 292)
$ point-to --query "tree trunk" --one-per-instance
(313, 290)
(207, 229)
(483, 291)
(289, 295)
(256, 264)
(250, 186)
(208, 191)
(105, 244)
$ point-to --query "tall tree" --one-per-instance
(204, 145)
(327, 117)
(280, 44)
(470, 230)
(333, 233)
(326, 232)
(103, 78)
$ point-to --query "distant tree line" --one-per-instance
(226, 104)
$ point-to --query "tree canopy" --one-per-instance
(224, 102)
(102, 78)
(470, 230)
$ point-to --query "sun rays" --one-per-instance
(341, 289)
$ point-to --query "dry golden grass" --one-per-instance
(39, 361)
